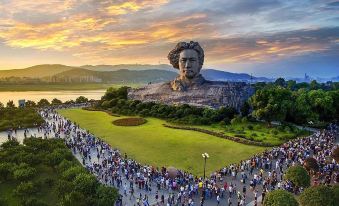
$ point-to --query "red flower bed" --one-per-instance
(133, 121)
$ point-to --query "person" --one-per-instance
(229, 201)
(125, 189)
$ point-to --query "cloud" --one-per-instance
(143, 31)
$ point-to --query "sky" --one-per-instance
(269, 38)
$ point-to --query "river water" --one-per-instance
(49, 95)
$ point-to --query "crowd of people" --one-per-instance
(236, 184)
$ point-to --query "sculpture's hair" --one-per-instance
(174, 55)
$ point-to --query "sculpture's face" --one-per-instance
(189, 63)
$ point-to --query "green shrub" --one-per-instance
(298, 176)
(3, 202)
(274, 132)
(72, 172)
(25, 189)
(336, 192)
(85, 184)
(250, 127)
(49, 181)
(106, 196)
(24, 174)
(317, 196)
(280, 198)
(244, 120)
(5, 170)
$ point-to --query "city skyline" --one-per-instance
(265, 37)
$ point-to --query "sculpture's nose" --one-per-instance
(188, 64)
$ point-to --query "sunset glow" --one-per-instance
(239, 36)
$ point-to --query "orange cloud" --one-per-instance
(133, 6)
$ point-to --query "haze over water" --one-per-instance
(49, 95)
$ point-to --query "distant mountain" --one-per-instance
(119, 76)
(37, 71)
(132, 73)
(217, 75)
(127, 66)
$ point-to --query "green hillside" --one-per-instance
(37, 71)
(120, 76)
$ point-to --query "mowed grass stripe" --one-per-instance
(156, 145)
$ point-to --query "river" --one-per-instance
(49, 95)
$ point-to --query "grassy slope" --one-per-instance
(57, 87)
(154, 144)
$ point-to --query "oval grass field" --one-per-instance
(154, 144)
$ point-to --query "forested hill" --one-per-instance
(37, 71)
(128, 73)
(120, 76)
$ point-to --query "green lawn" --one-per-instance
(258, 131)
(57, 87)
(151, 143)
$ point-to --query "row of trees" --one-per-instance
(46, 168)
(116, 100)
(45, 102)
(301, 106)
(14, 118)
(294, 86)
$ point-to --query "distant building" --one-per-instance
(22, 103)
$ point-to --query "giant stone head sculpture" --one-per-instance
(188, 58)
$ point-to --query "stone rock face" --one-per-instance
(211, 94)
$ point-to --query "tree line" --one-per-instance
(116, 101)
(311, 105)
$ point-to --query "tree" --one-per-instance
(3, 202)
(74, 198)
(280, 82)
(5, 170)
(314, 85)
(322, 103)
(291, 84)
(2, 106)
(298, 176)
(25, 189)
(10, 104)
(280, 198)
(311, 164)
(335, 154)
(43, 103)
(24, 173)
(302, 111)
(10, 144)
(81, 99)
(271, 104)
(30, 103)
(63, 187)
(335, 189)
(245, 109)
(319, 195)
(106, 196)
(85, 184)
(72, 172)
(56, 101)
